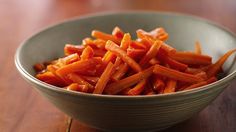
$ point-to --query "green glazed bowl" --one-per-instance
(122, 113)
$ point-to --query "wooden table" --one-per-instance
(22, 109)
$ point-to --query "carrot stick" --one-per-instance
(70, 58)
(202, 83)
(71, 49)
(79, 80)
(103, 80)
(170, 86)
(99, 52)
(79, 66)
(104, 36)
(193, 70)
(152, 52)
(174, 74)
(50, 78)
(154, 61)
(137, 90)
(112, 47)
(137, 45)
(215, 68)
(135, 53)
(158, 33)
(158, 83)
(198, 49)
(202, 75)
(90, 79)
(118, 33)
(191, 58)
(39, 67)
(123, 68)
(77, 87)
(97, 43)
(109, 57)
(120, 85)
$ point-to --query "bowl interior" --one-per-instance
(183, 31)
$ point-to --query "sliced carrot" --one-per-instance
(50, 78)
(193, 70)
(96, 44)
(109, 57)
(112, 47)
(154, 61)
(151, 53)
(104, 36)
(198, 49)
(103, 80)
(170, 86)
(87, 53)
(99, 52)
(148, 90)
(215, 68)
(191, 58)
(90, 79)
(120, 85)
(79, 80)
(70, 58)
(158, 33)
(202, 83)
(174, 74)
(138, 89)
(136, 54)
(202, 75)
(123, 68)
(158, 83)
(77, 87)
(39, 67)
(137, 45)
(118, 33)
(71, 49)
(79, 66)
(126, 41)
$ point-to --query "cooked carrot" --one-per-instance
(103, 80)
(158, 33)
(154, 61)
(71, 49)
(151, 53)
(123, 68)
(137, 90)
(158, 83)
(148, 90)
(202, 75)
(120, 85)
(50, 78)
(104, 36)
(193, 70)
(39, 67)
(211, 80)
(174, 74)
(112, 47)
(79, 80)
(87, 53)
(136, 54)
(97, 43)
(191, 58)
(109, 57)
(202, 83)
(79, 66)
(118, 33)
(170, 86)
(91, 79)
(215, 68)
(99, 52)
(77, 87)
(198, 49)
(70, 58)
(137, 45)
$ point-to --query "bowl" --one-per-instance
(122, 113)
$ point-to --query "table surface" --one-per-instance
(22, 109)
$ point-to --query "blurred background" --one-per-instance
(23, 109)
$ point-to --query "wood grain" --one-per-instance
(23, 109)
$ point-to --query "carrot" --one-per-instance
(215, 68)
(39, 67)
(191, 58)
(118, 33)
(112, 47)
(70, 58)
(202, 75)
(95, 44)
(151, 53)
(127, 82)
(109, 57)
(71, 49)
(154, 61)
(137, 90)
(158, 33)
(77, 87)
(198, 49)
(202, 83)
(174, 74)
(193, 70)
(104, 36)
(136, 53)
(79, 66)
(103, 80)
(99, 52)
(158, 83)
(123, 68)
(50, 78)
(79, 80)
(87, 53)
(91, 79)
(137, 45)
(170, 86)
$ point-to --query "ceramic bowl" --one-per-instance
(122, 113)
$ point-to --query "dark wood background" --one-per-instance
(22, 109)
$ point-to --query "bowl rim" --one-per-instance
(31, 78)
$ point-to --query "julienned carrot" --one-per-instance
(109, 57)
(91, 79)
(154, 61)
(151, 53)
(127, 82)
(87, 53)
(103, 80)
(70, 58)
(112, 47)
(135, 53)
(79, 66)
(198, 49)
(99, 52)
(148, 90)
(202, 75)
(97, 43)
(202, 83)
(191, 58)
(215, 68)
(137, 45)
(39, 67)
(79, 80)
(50, 78)
(104, 36)
(77, 87)
(123, 68)
(158, 33)
(174, 74)
(158, 83)
(193, 70)
(71, 49)
(53, 69)
(118, 33)
(137, 90)
(170, 86)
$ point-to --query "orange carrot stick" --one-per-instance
(118, 33)
(120, 85)
(123, 68)
(70, 58)
(77, 87)
(109, 57)
(91, 79)
(79, 80)
(137, 90)
(111, 46)
(71, 49)
(39, 67)
(198, 49)
(97, 43)
(137, 45)
(174, 74)
(154, 61)
(103, 80)
(87, 53)
(136, 54)
(50, 78)
(152, 52)
(170, 86)
(191, 58)
(104, 36)
(158, 83)
(215, 68)
(193, 70)
(202, 83)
